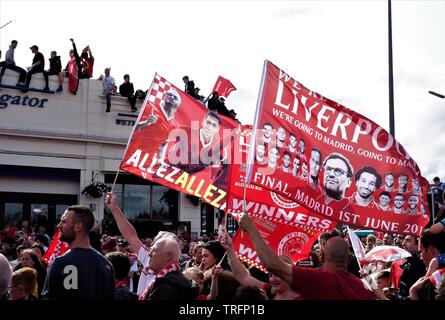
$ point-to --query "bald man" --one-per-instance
(5, 277)
(169, 282)
(332, 282)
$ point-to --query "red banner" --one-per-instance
(56, 249)
(282, 239)
(178, 143)
(334, 161)
(261, 202)
(223, 86)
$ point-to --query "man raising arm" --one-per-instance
(332, 282)
(125, 227)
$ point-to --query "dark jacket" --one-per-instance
(126, 89)
(123, 293)
(173, 286)
(190, 88)
(55, 65)
(413, 269)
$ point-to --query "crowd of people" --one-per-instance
(176, 267)
(81, 66)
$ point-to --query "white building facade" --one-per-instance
(54, 145)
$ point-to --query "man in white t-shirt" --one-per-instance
(136, 245)
(109, 86)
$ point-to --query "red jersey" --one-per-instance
(150, 138)
(88, 66)
(322, 284)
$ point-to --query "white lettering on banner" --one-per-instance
(381, 225)
(341, 125)
(330, 120)
(369, 154)
(181, 179)
(359, 131)
(375, 138)
(134, 159)
(249, 252)
(313, 204)
(285, 76)
(337, 144)
(348, 217)
(281, 214)
(321, 117)
(279, 96)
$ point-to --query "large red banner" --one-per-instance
(282, 239)
(332, 160)
(178, 143)
(263, 203)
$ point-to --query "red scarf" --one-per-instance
(170, 268)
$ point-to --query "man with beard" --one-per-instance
(384, 199)
(399, 201)
(402, 183)
(314, 169)
(260, 154)
(389, 182)
(286, 162)
(267, 132)
(367, 181)
(337, 178)
(82, 273)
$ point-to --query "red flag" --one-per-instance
(437, 277)
(351, 169)
(263, 203)
(282, 239)
(223, 86)
(56, 249)
(178, 143)
(73, 76)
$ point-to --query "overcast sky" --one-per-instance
(337, 48)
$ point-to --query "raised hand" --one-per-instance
(245, 222)
(111, 201)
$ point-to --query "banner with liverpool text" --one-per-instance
(332, 160)
(263, 203)
(178, 143)
(294, 242)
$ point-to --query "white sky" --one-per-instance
(337, 48)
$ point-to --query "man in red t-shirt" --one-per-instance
(332, 282)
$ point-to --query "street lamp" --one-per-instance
(437, 94)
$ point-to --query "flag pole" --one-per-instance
(358, 261)
(144, 104)
(115, 180)
(207, 99)
(5, 24)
